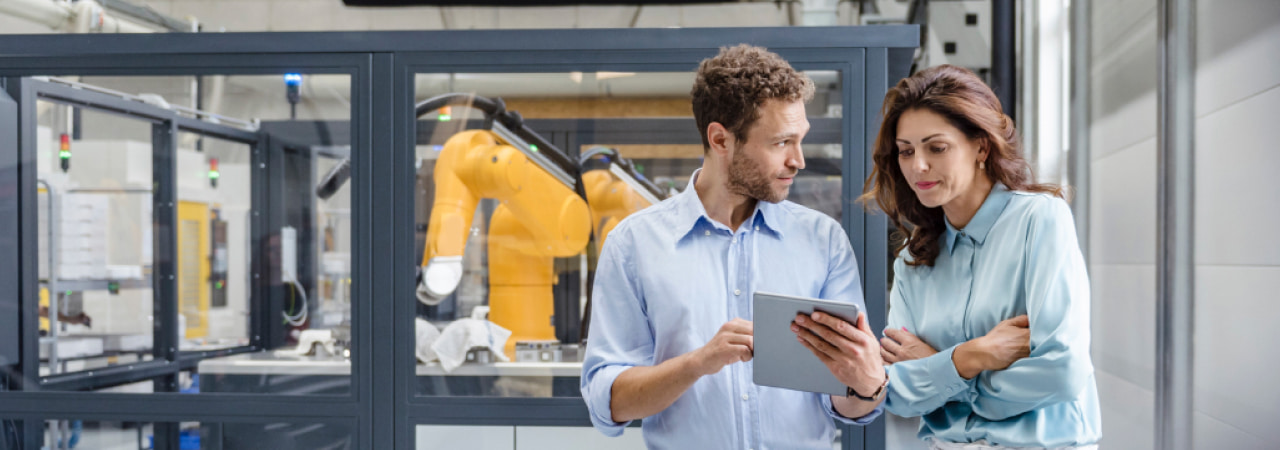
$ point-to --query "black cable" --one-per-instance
(493, 109)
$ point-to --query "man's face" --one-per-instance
(764, 167)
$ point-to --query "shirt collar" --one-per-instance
(691, 213)
(980, 225)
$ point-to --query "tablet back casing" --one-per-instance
(780, 360)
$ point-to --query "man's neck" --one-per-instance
(721, 205)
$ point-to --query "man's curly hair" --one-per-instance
(731, 87)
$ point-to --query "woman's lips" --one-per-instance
(926, 185)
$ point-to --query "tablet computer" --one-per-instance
(782, 361)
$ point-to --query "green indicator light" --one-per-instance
(217, 285)
(64, 154)
(533, 147)
(213, 174)
(445, 118)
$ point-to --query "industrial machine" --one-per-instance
(549, 208)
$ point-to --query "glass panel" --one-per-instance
(131, 435)
(215, 190)
(262, 261)
(95, 234)
(489, 252)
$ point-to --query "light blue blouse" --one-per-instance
(1018, 255)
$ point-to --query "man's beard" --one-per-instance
(745, 178)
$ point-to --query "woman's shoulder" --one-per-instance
(902, 264)
(1038, 207)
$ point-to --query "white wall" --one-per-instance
(1237, 249)
(1122, 214)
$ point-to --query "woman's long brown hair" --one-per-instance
(968, 104)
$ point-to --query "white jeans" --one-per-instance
(935, 444)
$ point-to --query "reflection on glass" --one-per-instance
(261, 261)
(512, 213)
(215, 203)
(95, 254)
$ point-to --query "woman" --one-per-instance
(990, 274)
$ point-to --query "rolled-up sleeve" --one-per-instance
(619, 337)
(1058, 368)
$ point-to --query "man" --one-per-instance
(671, 337)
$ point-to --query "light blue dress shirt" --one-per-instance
(1018, 255)
(669, 277)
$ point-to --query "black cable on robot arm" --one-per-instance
(493, 109)
(626, 166)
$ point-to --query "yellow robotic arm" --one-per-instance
(540, 218)
(612, 199)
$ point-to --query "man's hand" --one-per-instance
(901, 345)
(733, 343)
(850, 353)
(643, 391)
(1008, 342)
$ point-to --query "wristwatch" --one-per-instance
(875, 396)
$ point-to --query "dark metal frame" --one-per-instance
(382, 406)
(167, 360)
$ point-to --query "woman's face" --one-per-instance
(938, 161)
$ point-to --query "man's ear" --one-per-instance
(720, 139)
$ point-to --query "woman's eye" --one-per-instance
(905, 152)
(939, 148)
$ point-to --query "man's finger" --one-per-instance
(740, 339)
(864, 324)
(740, 326)
(844, 329)
(825, 333)
(821, 356)
(818, 343)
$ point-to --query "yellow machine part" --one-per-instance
(193, 266)
(475, 165)
(611, 201)
(520, 284)
(44, 301)
(539, 219)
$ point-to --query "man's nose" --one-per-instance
(796, 161)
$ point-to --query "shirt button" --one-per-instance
(744, 396)
(708, 232)
(757, 228)
(737, 292)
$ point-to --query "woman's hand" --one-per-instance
(1005, 344)
(901, 345)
